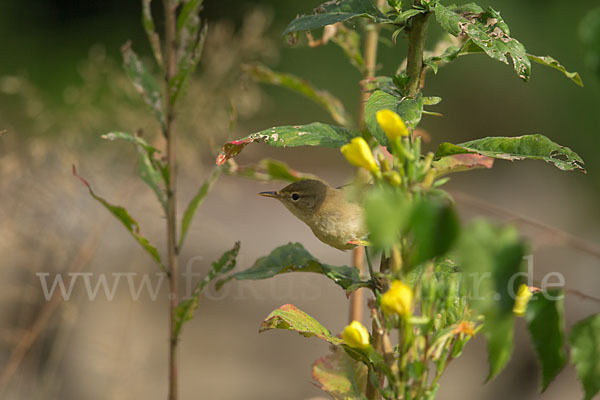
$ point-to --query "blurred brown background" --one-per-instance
(61, 87)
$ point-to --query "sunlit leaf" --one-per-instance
(537, 147)
(291, 318)
(293, 257)
(188, 215)
(185, 309)
(488, 31)
(144, 82)
(336, 11)
(340, 376)
(552, 63)
(585, 354)
(149, 168)
(545, 321)
(123, 216)
(325, 99)
(153, 38)
(315, 134)
(461, 162)
(409, 109)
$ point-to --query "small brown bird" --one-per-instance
(329, 212)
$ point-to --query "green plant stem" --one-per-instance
(170, 72)
(416, 46)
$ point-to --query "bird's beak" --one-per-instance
(268, 194)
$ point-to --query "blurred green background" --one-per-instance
(61, 87)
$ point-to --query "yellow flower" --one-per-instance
(523, 296)
(398, 299)
(358, 153)
(391, 123)
(356, 335)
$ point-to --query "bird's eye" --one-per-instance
(295, 196)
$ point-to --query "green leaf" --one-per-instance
(552, 63)
(130, 224)
(315, 134)
(185, 309)
(293, 257)
(340, 376)
(488, 31)
(149, 168)
(266, 170)
(153, 37)
(499, 332)
(410, 109)
(491, 257)
(188, 215)
(291, 318)
(585, 354)
(387, 213)
(435, 227)
(323, 98)
(145, 84)
(461, 162)
(190, 50)
(187, 15)
(537, 147)
(545, 321)
(336, 11)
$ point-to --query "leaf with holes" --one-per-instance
(132, 226)
(333, 105)
(291, 318)
(315, 134)
(488, 31)
(337, 11)
(536, 147)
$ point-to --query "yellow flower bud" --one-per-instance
(398, 299)
(358, 153)
(523, 296)
(391, 123)
(356, 335)
(393, 177)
